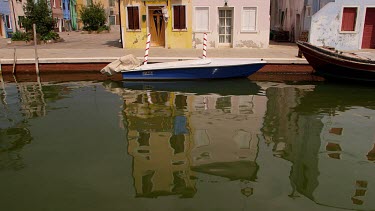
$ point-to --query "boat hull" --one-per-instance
(338, 67)
(212, 72)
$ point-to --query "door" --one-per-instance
(225, 27)
(156, 26)
(1, 26)
(368, 40)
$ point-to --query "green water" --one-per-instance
(218, 145)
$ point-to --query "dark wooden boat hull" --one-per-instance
(332, 65)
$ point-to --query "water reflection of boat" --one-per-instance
(335, 97)
(221, 87)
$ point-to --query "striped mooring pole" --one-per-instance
(147, 48)
(204, 45)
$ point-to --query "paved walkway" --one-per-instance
(100, 46)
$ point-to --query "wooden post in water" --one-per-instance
(36, 51)
(14, 62)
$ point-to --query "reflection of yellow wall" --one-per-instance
(173, 39)
(159, 158)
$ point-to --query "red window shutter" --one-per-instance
(349, 19)
(130, 18)
(176, 17)
(182, 17)
(136, 18)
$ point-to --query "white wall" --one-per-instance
(257, 39)
(326, 25)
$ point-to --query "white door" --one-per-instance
(225, 27)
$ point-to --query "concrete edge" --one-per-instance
(151, 59)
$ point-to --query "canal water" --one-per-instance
(216, 145)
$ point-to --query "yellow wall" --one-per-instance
(174, 39)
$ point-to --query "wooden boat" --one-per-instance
(195, 69)
(337, 65)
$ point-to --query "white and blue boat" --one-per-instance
(215, 68)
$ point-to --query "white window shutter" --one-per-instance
(201, 19)
(249, 19)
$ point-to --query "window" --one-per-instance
(133, 18)
(349, 17)
(111, 3)
(112, 20)
(249, 15)
(7, 22)
(308, 11)
(179, 17)
(54, 3)
(20, 19)
(201, 19)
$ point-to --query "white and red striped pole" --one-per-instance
(204, 45)
(147, 48)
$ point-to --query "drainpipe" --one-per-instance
(14, 17)
(119, 15)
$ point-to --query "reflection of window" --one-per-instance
(180, 101)
(133, 18)
(249, 19)
(349, 17)
(147, 184)
(242, 138)
(178, 181)
(224, 103)
(144, 139)
(178, 143)
(179, 17)
(201, 138)
(201, 19)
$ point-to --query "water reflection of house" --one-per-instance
(329, 142)
(20, 102)
(32, 100)
(158, 141)
(172, 134)
(294, 137)
(225, 133)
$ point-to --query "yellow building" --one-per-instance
(168, 21)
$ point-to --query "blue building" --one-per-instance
(66, 14)
(5, 19)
